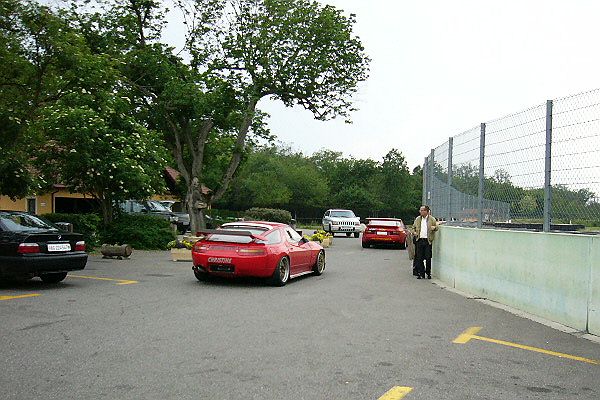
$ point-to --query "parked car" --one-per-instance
(30, 246)
(154, 207)
(258, 249)
(341, 221)
(390, 231)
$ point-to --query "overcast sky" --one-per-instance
(441, 67)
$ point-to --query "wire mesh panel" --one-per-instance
(575, 159)
(513, 177)
(514, 166)
(465, 177)
(439, 194)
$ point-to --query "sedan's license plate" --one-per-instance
(59, 247)
(382, 233)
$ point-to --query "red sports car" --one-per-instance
(384, 231)
(258, 249)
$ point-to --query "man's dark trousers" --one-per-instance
(423, 253)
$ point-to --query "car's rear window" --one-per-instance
(19, 222)
(215, 237)
(383, 222)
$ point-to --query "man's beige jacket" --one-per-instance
(431, 224)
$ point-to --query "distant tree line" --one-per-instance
(277, 177)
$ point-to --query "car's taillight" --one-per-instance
(80, 246)
(28, 248)
(252, 251)
(201, 247)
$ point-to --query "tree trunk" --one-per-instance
(192, 198)
(107, 210)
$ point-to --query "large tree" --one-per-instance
(296, 51)
(66, 112)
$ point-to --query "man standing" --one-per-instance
(423, 229)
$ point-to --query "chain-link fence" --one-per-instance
(532, 169)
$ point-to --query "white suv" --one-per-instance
(341, 221)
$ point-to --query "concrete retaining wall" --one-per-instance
(555, 276)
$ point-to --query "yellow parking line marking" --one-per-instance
(99, 278)
(396, 393)
(467, 335)
(470, 334)
(21, 296)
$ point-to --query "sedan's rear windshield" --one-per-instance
(343, 214)
(20, 222)
(384, 222)
(215, 237)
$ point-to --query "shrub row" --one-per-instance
(269, 214)
(86, 224)
(142, 232)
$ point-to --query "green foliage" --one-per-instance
(318, 235)
(278, 178)
(86, 224)
(268, 214)
(180, 244)
(142, 232)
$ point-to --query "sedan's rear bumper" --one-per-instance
(35, 264)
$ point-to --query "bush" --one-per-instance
(269, 214)
(86, 224)
(142, 232)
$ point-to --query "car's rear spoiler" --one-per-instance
(228, 232)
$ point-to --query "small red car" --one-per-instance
(257, 249)
(384, 231)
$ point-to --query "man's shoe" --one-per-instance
(429, 276)
(418, 276)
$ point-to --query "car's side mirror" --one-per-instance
(304, 240)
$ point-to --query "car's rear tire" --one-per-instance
(281, 275)
(348, 234)
(319, 266)
(202, 276)
(356, 234)
(365, 245)
(54, 277)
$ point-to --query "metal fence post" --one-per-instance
(425, 183)
(432, 190)
(481, 175)
(450, 142)
(548, 169)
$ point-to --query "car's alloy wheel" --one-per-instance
(282, 273)
(320, 264)
(53, 277)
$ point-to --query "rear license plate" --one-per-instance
(382, 233)
(59, 247)
(221, 267)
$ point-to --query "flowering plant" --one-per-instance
(318, 236)
(180, 244)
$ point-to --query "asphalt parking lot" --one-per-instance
(365, 329)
